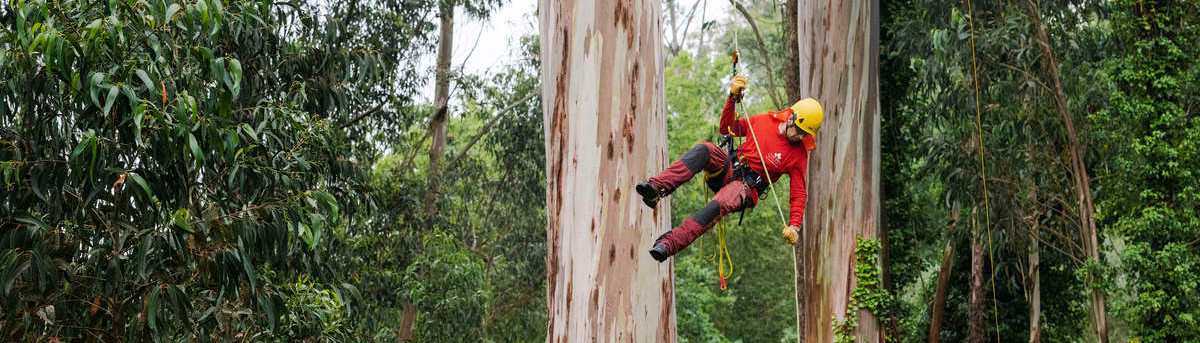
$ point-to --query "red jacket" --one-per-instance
(783, 157)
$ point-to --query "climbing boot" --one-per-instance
(659, 252)
(651, 193)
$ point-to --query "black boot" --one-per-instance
(659, 252)
(651, 193)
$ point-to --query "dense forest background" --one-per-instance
(232, 170)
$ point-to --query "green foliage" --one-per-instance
(698, 300)
(868, 294)
(927, 50)
(449, 283)
(1152, 135)
(477, 271)
(310, 310)
(157, 155)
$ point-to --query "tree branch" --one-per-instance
(762, 48)
(360, 116)
(686, 24)
(488, 125)
(412, 154)
(1027, 74)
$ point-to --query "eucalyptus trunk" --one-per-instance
(441, 96)
(839, 57)
(976, 312)
(605, 128)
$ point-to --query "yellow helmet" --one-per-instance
(808, 115)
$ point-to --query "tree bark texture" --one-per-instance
(976, 313)
(838, 59)
(939, 298)
(1079, 174)
(441, 96)
(791, 54)
(605, 128)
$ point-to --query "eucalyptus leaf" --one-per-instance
(150, 87)
(110, 99)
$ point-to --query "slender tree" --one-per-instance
(939, 298)
(791, 53)
(1079, 173)
(441, 106)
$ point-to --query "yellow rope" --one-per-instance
(722, 253)
(795, 269)
(987, 213)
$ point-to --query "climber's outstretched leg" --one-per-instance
(733, 197)
(703, 156)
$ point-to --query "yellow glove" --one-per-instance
(791, 234)
(737, 86)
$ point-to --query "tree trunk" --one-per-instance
(976, 312)
(791, 77)
(605, 128)
(838, 67)
(1033, 292)
(673, 16)
(1079, 172)
(939, 298)
(791, 53)
(441, 96)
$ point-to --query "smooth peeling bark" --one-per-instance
(605, 129)
(839, 58)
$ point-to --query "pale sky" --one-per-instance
(496, 40)
(485, 47)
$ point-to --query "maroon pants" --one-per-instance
(730, 194)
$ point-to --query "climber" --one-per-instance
(784, 137)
